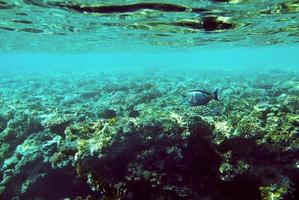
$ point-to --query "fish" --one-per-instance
(200, 97)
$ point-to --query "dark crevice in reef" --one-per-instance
(3, 123)
(247, 149)
(58, 184)
(267, 164)
(295, 194)
(129, 8)
(243, 187)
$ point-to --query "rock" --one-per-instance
(134, 113)
(57, 124)
(107, 113)
(90, 94)
(292, 102)
(28, 155)
(3, 123)
(58, 127)
(17, 130)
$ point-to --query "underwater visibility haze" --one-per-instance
(151, 100)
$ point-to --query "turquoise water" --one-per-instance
(117, 100)
(202, 57)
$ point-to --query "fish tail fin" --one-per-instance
(215, 95)
(183, 101)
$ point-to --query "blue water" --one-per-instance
(279, 56)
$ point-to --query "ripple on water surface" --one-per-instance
(93, 25)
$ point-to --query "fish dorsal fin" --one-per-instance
(205, 92)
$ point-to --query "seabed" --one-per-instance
(128, 136)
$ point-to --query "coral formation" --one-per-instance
(132, 138)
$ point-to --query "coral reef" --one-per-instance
(101, 136)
